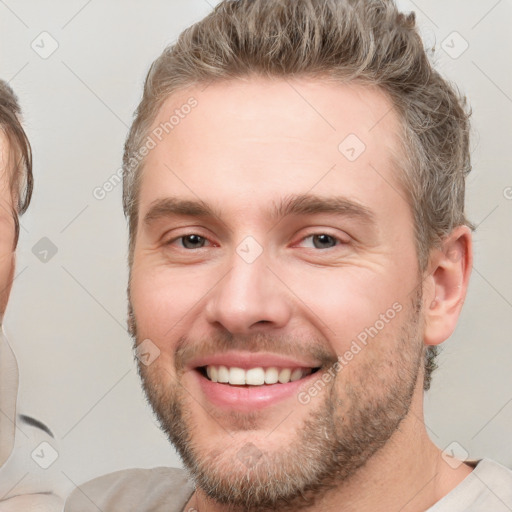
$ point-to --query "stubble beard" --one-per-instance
(352, 422)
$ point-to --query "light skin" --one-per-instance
(7, 264)
(7, 229)
(241, 165)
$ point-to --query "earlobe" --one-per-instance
(450, 269)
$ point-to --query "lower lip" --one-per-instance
(250, 398)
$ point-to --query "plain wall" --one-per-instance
(66, 317)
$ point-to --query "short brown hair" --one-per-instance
(367, 41)
(19, 165)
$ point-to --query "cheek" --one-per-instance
(7, 259)
(6, 274)
(164, 299)
(347, 302)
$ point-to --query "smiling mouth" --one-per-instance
(258, 376)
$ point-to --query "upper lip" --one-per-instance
(248, 360)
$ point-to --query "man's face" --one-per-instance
(7, 231)
(274, 241)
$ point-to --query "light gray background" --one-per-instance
(66, 317)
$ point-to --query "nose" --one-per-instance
(249, 298)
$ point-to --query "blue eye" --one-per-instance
(193, 241)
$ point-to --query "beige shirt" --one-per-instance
(487, 489)
(30, 479)
(134, 490)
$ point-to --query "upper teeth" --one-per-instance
(255, 376)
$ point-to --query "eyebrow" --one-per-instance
(170, 206)
(308, 204)
(304, 204)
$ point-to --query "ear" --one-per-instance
(446, 285)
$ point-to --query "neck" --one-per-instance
(407, 474)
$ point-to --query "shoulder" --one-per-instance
(157, 489)
(496, 478)
(31, 477)
(487, 487)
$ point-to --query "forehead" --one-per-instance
(5, 189)
(4, 145)
(4, 154)
(256, 138)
